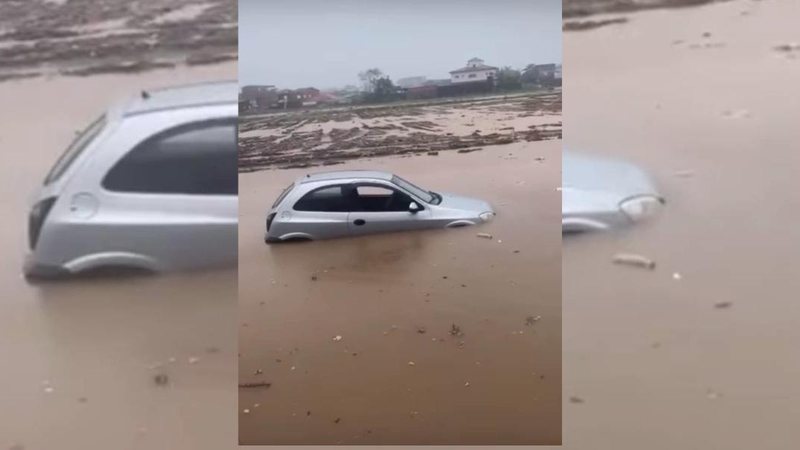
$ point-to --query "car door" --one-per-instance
(173, 197)
(322, 213)
(381, 208)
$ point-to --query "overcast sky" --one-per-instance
(326, 43)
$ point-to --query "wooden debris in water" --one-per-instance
(631, 259)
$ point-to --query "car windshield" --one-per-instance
(282, 196)
(75, 149)
(425, 196)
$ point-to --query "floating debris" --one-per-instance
(421, 330)
(530, 320)
(257, 384)
(712, 394)
(258, 372)
(723, 305)
(631, 259)
(676, 276)
(485, 235)
(246, 411)
(736, 114)
(466, 384)
(338, 419)
(161, 379)
(684, 173)
(455, 330)
(193, 360)
(313, 278)
(787, 48)
(576, 400)
(412, 363)
(337, 338)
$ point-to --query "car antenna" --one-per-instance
(145, 94)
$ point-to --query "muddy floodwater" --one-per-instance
(432, 337)
(138, 363)
(702, 351)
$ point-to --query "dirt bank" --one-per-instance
(332, 136)
(655, 361)
(446, 337)
(86, 37)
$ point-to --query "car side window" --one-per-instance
(199, 158)
(378, 198)
(327, 199)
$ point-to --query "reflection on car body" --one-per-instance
(151, 184)
(601, 193)
(352, 203)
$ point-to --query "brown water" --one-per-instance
(657, 364)
(377, 292)
(81, 357)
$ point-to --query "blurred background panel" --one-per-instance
(699, 351)
(111, 360)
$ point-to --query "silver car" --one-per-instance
(600, 194)
(151, 184)
(353, 203)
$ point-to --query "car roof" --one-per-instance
(184, 96)
(346, 174)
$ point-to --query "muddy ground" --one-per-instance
(332, 136)
(702, 351)
(85, 37)
(577, 12)
(138, 363)
(401, 373)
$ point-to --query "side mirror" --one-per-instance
(413, 208)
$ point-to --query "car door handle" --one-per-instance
(359, 222)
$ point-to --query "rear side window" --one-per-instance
(327, 199)
(198, 158)
(283, 195)
(75, 149)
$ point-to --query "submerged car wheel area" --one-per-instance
(151, 185)
(601, 194)
(353, 203)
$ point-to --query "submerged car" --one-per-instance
(151, 184)
(353, 203)
(601, 194)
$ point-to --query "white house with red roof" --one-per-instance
(475, 70)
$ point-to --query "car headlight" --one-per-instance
(487, 216)
(642, 207)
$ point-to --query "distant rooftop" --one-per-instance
(474, 65)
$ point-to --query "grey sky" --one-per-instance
(325, 43)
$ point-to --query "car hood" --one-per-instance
(452, 201)
(610, 179)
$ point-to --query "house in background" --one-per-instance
(257, 97)
(475, 70)
(409, 82)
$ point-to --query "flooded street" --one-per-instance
(432, 337)
(702, 351)
(137, 363)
